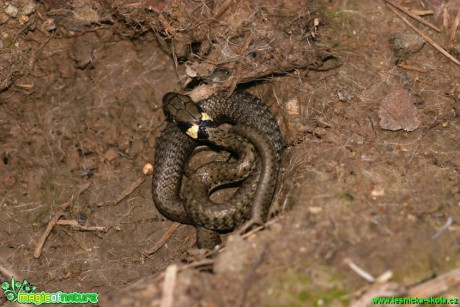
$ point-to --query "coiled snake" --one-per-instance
(255, 130)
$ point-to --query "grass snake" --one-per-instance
(256, 140)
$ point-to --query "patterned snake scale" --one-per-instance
(254, 123)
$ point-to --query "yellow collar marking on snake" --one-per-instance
(205, 116)
(194, 129)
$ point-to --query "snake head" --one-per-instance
(188, 116)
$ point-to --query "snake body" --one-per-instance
(255, 127)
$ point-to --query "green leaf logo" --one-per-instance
(11, 290)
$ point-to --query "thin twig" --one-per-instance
(413, 68)
(76, 225)
(59, 212)
(163, 239)
(409, 13)
(429, 40)
(453, 30)
(422, 12)
(360, 271)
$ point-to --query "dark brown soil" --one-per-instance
(80, 102)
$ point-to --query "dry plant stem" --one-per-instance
(76, 225)
(169, 285)
(409, 13)
(163, 239)
(128, 190)
(429, 40)
(59, 212)
(454, 29)
(360, 271)
(413, 68)
(421, 12)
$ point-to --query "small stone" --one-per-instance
(397, 111)
(406, 44)
(11, 10)
(147, 169)
(377, 191)
(110, 155)
(81, 217)
(23, 19)
(315, 210)
(292, 107)
(49, 25)
(28, 7)
(344, 96)
(190, 71)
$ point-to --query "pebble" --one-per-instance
(23, 19)
(406, 44)
(49, 25)
(28, 7)
(111, 154)
(344, 96)
(292, 107)
(11, 10)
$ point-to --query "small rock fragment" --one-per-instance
(28, 7)
(292, 107)
(110, 155)
(147, 169)
(344, 96)
(405, 44)
(23, 19)
(11, 10)
(397, 111)
(49, 25)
